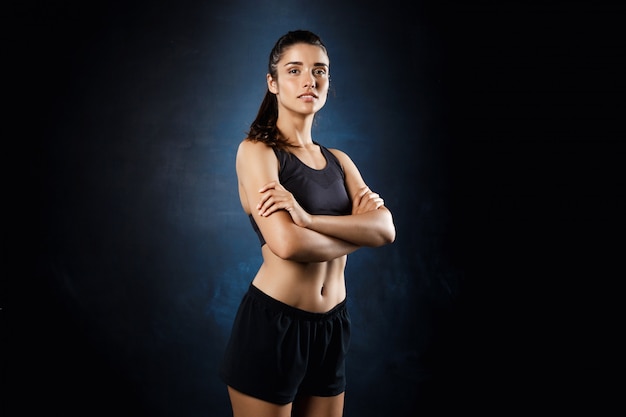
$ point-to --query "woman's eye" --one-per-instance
(320, 72)
(293, 71)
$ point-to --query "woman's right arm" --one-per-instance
(256, 165)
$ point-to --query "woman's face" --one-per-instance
(302, 81)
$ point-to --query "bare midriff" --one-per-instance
(316, 287)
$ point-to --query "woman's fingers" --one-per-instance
(270, 185)
(366, 200)
(264, 195)
(358, 196)
(273, 198)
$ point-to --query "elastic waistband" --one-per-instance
(292, 311)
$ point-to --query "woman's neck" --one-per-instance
(297, 131)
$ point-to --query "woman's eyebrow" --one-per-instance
(317, 64)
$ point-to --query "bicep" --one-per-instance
(257, 165)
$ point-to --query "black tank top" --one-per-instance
(318, 191)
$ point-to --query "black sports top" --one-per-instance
(318, 191)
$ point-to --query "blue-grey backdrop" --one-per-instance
(137, 250)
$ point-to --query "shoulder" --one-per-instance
(252, 147)
(341, 156)
(338, 152)
(351, 171)
(254, 150)
(253, 155)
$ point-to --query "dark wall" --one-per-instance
(131, 248)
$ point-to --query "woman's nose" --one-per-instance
(309, 81)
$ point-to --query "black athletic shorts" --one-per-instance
(277, 351)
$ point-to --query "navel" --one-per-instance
(322, 291)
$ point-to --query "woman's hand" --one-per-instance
(366, 200)
(275, 197)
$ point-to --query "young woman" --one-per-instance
(310, 208)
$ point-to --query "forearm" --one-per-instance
(373, 228)
(316, 247)
(304, 245)
(299, 244)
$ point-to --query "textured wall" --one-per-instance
(142, 249)
(139, 251)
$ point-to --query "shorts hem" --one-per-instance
(263, 397)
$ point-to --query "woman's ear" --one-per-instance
(271, 84)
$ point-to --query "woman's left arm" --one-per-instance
(369, 224)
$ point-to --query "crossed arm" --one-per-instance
(292, 233)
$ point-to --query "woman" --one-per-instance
(310, 208)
